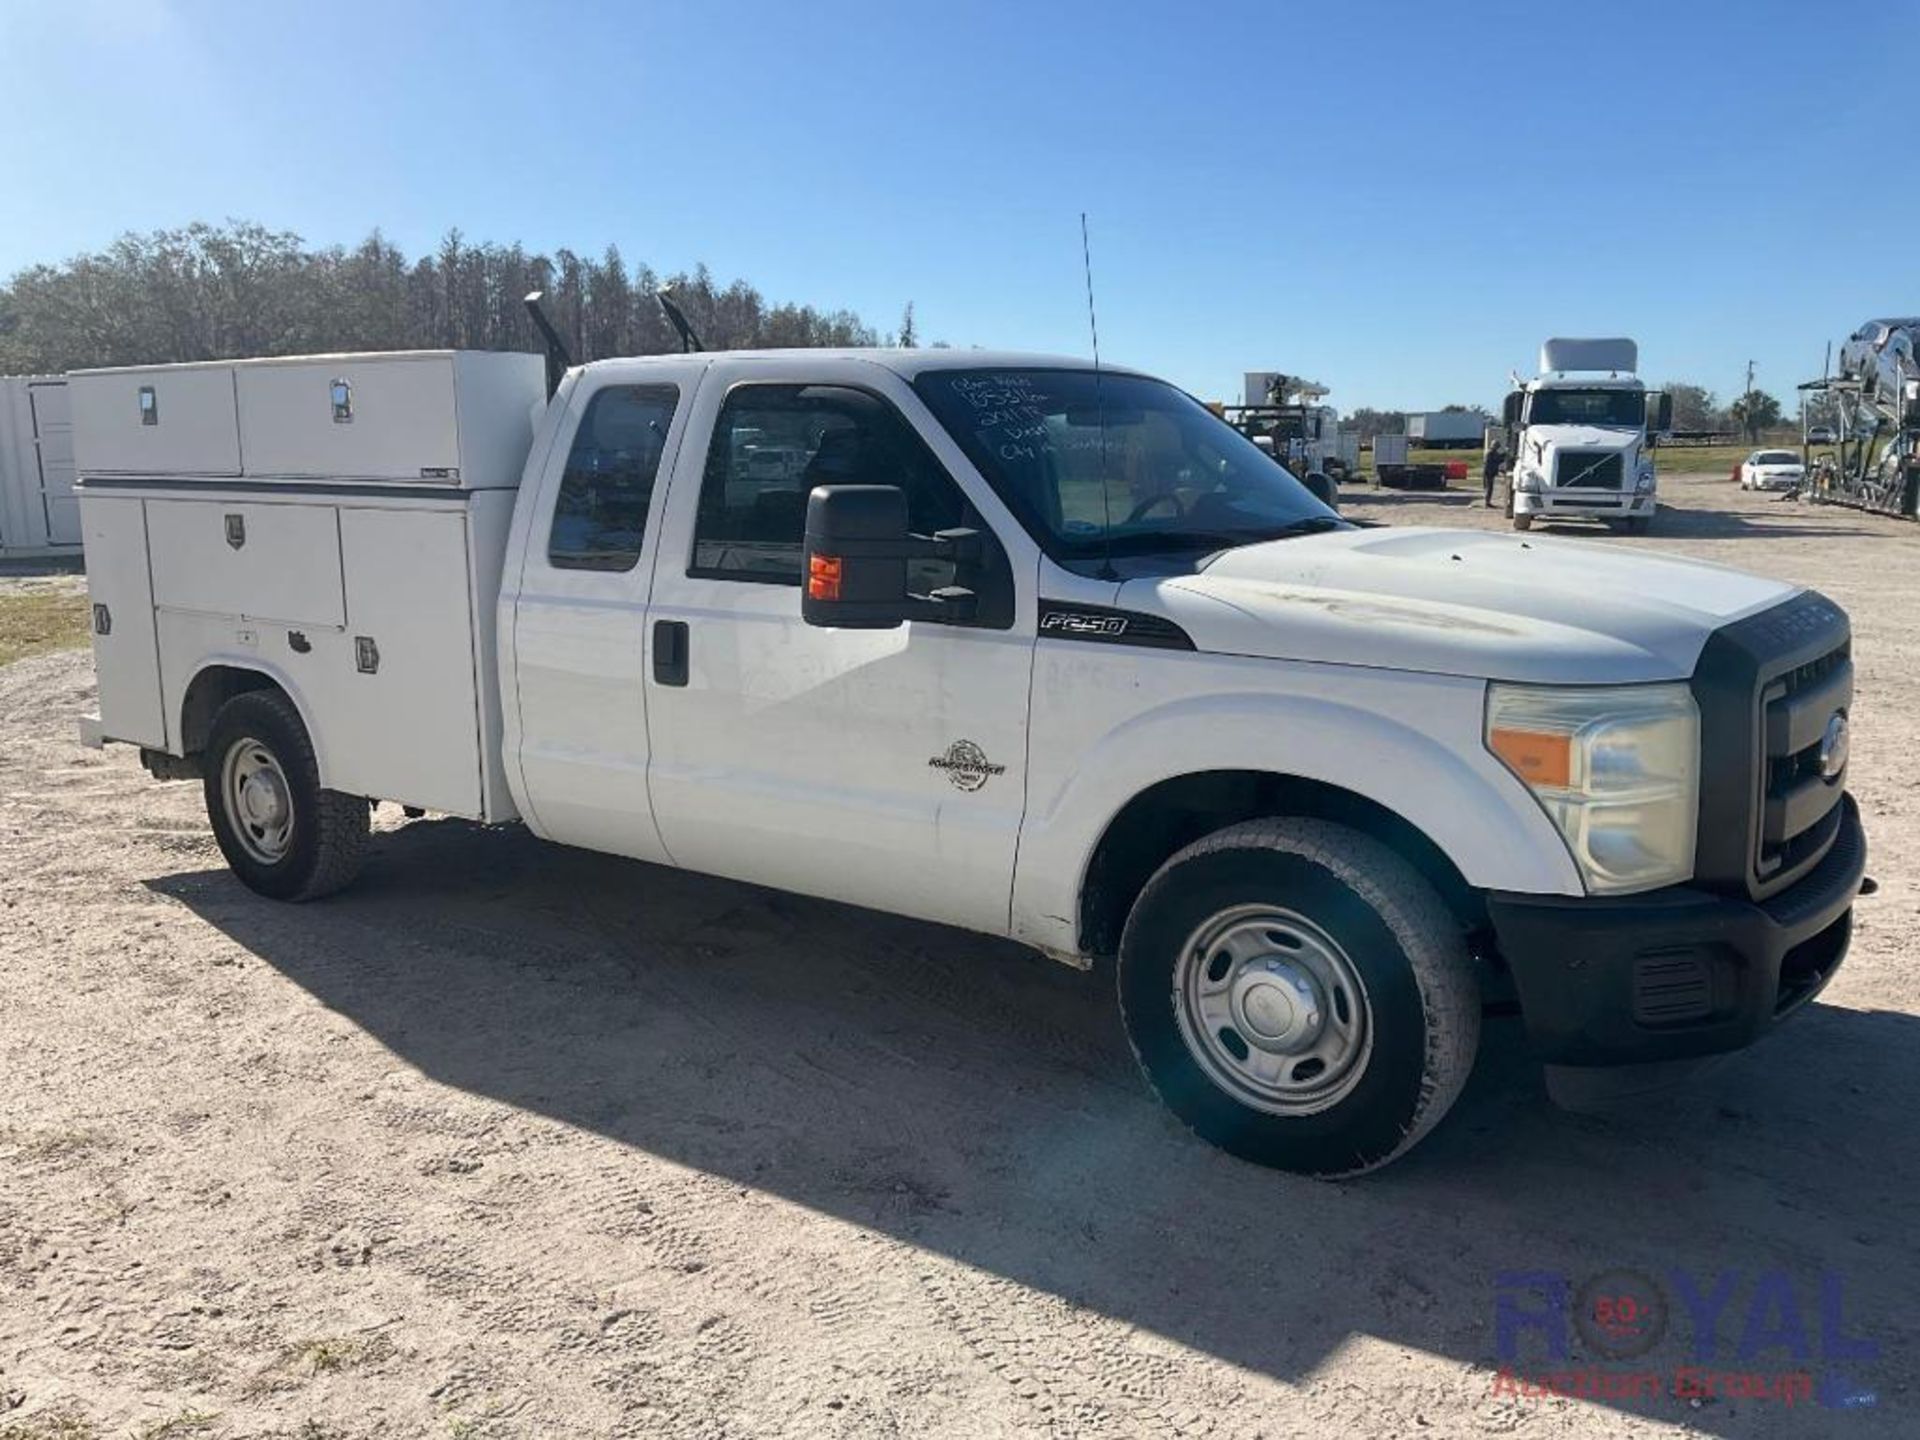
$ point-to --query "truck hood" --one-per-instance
(1459, 602)
(1574, 437)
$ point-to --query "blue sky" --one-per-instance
(1400, 200)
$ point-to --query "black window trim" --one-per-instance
(733, 577)
(655, 489)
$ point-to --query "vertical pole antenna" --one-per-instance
(1100, 408)
(1086, 263)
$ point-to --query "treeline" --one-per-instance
(211, 292)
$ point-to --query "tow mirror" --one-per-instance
(1659, 412)
(1510, 410)
(854, 561)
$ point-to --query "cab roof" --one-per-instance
(905, 363)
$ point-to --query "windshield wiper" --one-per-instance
(1307, 525)
(1214, 540)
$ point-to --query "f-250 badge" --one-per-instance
(966, 765)
(1068, 622)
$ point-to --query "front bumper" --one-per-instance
(1679, 973)
(1573, 501)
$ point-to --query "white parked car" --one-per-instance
(1771, 470)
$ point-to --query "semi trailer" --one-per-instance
(1445, 429)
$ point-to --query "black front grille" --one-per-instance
(1799, 801)
(1588, 469)
(1767, 686)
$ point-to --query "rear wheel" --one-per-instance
(1299, 996)
(281, 833)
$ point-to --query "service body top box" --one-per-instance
(458, 419)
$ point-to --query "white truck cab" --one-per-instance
(1581, 436)
(1009, 643)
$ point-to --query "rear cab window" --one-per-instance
(600, 512)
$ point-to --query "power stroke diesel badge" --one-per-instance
(966, 765)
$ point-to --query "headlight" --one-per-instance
(1645, 482)
(1617, 769)
(1528, 481)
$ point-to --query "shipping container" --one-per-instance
(38, 512)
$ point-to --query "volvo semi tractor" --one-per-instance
(1582, 434)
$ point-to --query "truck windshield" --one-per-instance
(1587, 407)
(1101, 465)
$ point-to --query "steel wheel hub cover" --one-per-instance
(1278, 1005)
(259, 801)
(1272, 1010)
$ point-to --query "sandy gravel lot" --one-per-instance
(512, 1140)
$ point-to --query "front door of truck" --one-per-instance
(880, 767)
(579, 617)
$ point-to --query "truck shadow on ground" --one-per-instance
(972, 1099)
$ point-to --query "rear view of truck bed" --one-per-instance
(334, 524)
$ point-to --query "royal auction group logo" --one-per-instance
(1727, 1335)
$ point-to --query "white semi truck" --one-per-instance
(1023, 647)
(1581, 436)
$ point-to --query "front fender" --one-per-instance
(1409, 743)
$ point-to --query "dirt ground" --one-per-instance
(512, 1140)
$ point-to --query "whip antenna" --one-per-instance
(1100, 409)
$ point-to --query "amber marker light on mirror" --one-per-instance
(823, 577)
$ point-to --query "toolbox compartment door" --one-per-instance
(408, 729)
(124, 655)
(248, 558)
(347, 417)
(160, 420)
(459, 419)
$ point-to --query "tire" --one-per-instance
(1639, 525)
(282, 834)
(1323, 916)
(1523, 522)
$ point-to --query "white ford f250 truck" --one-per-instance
(1581, 436)
(1007, 643)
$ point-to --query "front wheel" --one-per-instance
(1299, 996)
(282, 834)
(1639, 524)
(1523, 522)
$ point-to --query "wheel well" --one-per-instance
(1174, 813)
(207, 692)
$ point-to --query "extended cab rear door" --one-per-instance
(880, 767)
(586, 540)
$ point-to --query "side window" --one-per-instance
(773, 443)
(600, 515)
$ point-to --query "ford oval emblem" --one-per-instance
(1834, 743)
